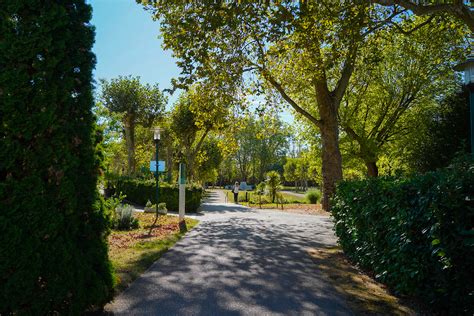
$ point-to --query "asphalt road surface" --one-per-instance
(238, 261)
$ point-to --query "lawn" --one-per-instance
(251, 198)
(132, 252)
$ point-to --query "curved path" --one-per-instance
(238, 261)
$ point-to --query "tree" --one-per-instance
(199, 111)
(260, 38)
(53, 254)
(137, 104)
(445, 133)
(405, 74)
(290, 170)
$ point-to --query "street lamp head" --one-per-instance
(157, 133)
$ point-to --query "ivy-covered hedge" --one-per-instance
(416, 234)
(140, 191)
(53, 250)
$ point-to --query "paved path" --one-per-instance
(238, 261)
(300, 195)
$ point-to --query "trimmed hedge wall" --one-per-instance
(416, 235)
(53, 230)
(140, 191)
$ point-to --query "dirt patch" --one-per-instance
(364, 295)
(310, 209)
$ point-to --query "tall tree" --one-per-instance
(258, 37)
(199, 111)
(445, 133)
(53, 254)
(137, 103)
(393, 80)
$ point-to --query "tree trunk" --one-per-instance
(372, 169)
(169, 161)
(332, 161)
(129, 127)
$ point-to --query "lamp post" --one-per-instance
(468, 68)
(156, 138)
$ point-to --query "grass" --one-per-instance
(363, 295)
(251, 195)
(132, 252)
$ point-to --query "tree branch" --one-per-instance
(288, 99)
(457, 9)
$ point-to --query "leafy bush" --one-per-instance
(124, 219)
(140, 191)
(313, 197)
(53, 226)
(415, 234)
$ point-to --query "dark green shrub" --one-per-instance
(313, 197)
(415, 234)
(53, 250)
(140, 191)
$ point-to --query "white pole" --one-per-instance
(182, 191)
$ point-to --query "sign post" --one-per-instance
(182, 191)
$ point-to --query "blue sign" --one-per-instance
(161, 165)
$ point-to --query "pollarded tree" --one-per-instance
(221, 41)
(53, 254)
(137, 104)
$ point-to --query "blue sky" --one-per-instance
(127, 43)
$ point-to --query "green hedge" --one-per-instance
(415, 234)
(140, 191)
(53, 230)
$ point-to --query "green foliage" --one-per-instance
(124, 219)
(398, 78)
(273, 184)
(313, 197)
(262, 144)
(415, 234)
(53, 227)
(140, 191)
(445, 133)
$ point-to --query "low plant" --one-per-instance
(149, 207)
(124, 219)
(313, 197)
(162, 210)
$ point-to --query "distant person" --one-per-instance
(236, 192)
